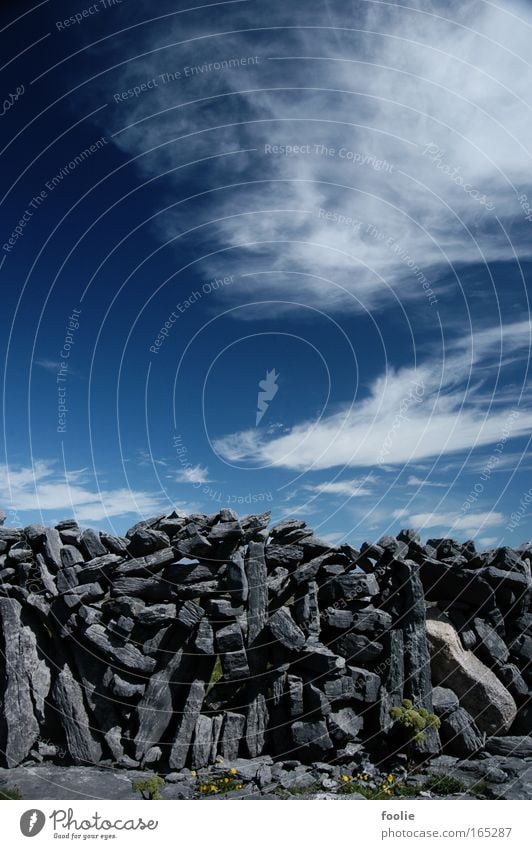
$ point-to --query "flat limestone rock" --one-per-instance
(149, 589)
(157, 614)
(126, 655)
(230, 645)
(517, 747)
(92, 544)
(190, 614)
(311, 739)
(460, 734)
(285, 630)
(344, 726)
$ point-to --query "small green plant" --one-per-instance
(10, 793)
(414, 722)
(216, 673)
(385, 788)
(149, 788)
(444, 785)
(220, 784)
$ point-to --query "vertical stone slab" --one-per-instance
(418, 679)
(307, 612)
(67, 698)
(236, 579)
(217, 723)
(257, 722)
(232, 733)
(391, 671)
(91, 673)
(26, 683)
(408, 610)
(187, 725)
(52, 548)
(156, 708)
(257, 590)
(201, 748)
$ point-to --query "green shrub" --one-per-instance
(444, 785)
(414, 720)
(149, 788)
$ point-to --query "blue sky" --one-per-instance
(320, 208)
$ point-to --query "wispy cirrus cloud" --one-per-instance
(415, 481)
(448, 417)
(332, 121)
(354, 488)
(144, 458)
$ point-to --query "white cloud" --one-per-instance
(469, 524)
(192, 474)
(415, 481)
(303, 509)
(413, 79)
(42, 488)
(144, 458)
(48, 365)
(408, 415)
(350, 488)
(334, 538)
(487, 542)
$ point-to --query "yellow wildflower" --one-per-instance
(345, 778)
(193, 773)
(389, 778)
(233, 771)
(214, 788)
(239, 786)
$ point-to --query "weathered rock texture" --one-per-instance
(199, 637)
(477, 687)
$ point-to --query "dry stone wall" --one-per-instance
(195, 638)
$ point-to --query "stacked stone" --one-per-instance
(198, 637)
(479, 629)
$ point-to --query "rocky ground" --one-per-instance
(505, 772)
